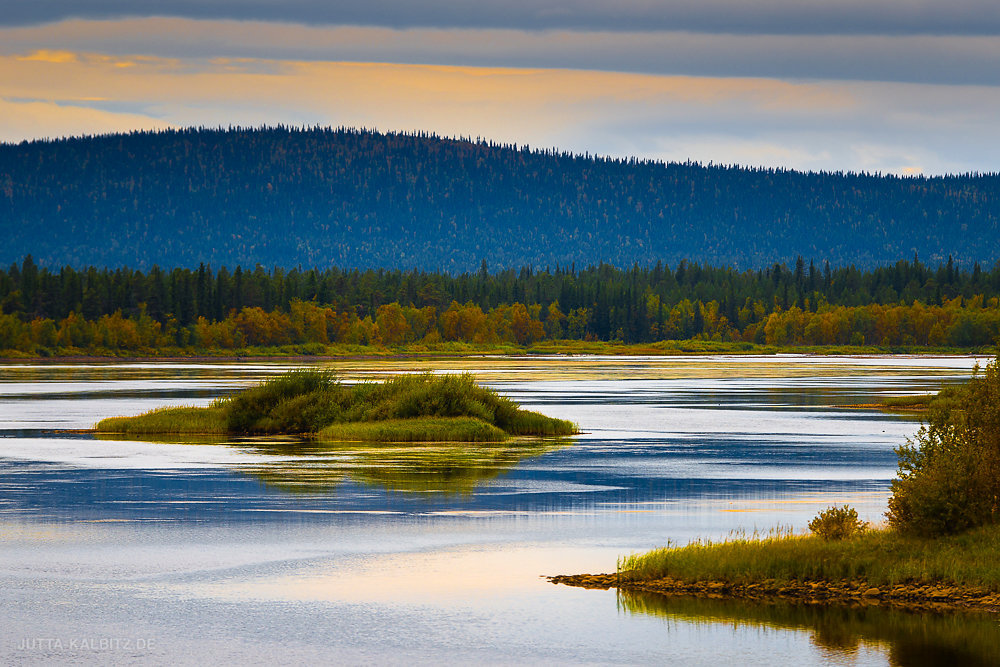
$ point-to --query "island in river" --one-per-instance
(406, 408)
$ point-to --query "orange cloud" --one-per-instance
(414, 91)
(47, 56)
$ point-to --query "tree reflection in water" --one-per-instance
(907, 637)
(305, 466)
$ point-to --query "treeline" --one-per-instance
(907, 304)
(284, 197)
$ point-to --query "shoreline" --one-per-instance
(403, 355)
(919, 409)
(933, 597)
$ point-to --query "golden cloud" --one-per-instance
(48, 56)
(415, 91)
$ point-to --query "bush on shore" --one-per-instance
(837, 523)
(949, 474)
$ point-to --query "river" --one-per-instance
(255, 550)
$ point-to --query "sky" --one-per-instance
(894, 86)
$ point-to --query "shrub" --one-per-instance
(296, 402)
(837, 523)
(448, 396)
(949, 474)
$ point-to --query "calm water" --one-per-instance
(263, 551)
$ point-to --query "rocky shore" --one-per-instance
(917, 597)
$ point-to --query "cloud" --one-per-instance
(915, 59)
(24, 119)
(806, 125)
(893, 85)
(47, 56)
(862, 17)
(266, 82)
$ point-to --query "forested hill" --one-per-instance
(324, 197)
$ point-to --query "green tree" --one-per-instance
(949, 474)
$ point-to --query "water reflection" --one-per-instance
(439, 469)
(841, 632)
(297, 465)
(426, 554)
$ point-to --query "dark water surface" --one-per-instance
(262, 551)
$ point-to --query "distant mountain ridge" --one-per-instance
(349, 198)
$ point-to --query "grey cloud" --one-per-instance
(917, 59)
(882, 17)
(913, 59)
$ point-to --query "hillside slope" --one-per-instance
(322, 197)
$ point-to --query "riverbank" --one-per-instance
(920, 403)
(313, 352)
(913, 597)
(880, 567)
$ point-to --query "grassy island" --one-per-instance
(406, 408)
(938, 550)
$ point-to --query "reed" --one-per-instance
(210, 420)
(879, 557)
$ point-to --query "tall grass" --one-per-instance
(211, 420)
(880, 557)
(526, 422)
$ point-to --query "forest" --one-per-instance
(188, 311)
(362, 199)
